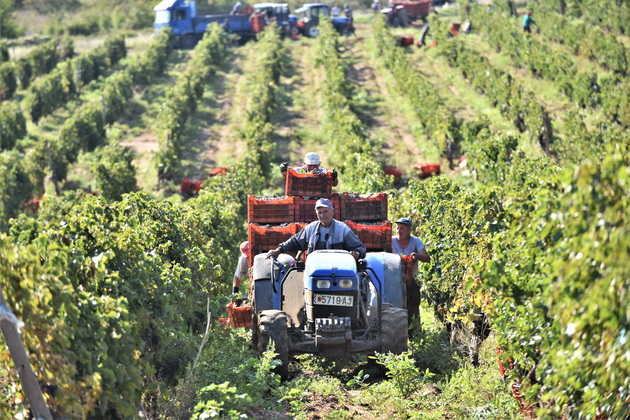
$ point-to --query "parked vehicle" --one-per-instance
(404, 12)
(188, 28)
(309, 15)
(416, 9)
(279, 13)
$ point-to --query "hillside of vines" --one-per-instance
(118, 276)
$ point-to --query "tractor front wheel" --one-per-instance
(272, 328)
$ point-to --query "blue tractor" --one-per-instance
(330, 305)
(308, 18)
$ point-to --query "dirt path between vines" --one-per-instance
(210, 133)
(213, 141)
(297, 124)
(382, 115)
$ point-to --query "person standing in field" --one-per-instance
(406, 244)
(527, 22)
(241, 268)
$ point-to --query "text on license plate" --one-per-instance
(332, 300)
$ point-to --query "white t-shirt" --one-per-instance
(242, 267)
(415, 245)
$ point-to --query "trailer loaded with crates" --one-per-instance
(327, 303)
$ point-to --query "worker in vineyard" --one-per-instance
(311, 165)
(248, 9)
(325, 233)
(528, 22)
(407, 244)
(347, 10)
(236, 8)
(241, 268)
(376, 6)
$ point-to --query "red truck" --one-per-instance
(405, 11)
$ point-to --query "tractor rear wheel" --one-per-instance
(311, 31)
(393, 329)
(272, 328)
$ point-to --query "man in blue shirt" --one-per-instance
(527, 22)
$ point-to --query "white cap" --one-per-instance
(312, 159)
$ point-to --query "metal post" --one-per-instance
(9, 325)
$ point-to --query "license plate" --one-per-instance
(332, 300)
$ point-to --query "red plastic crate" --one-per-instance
(396, 173)
(263, 238)
(309, 185)
(218, 171)
(239, 316)
(362, 208)
(305, 208)
(270, 209)
(428, 169)
(375, 237)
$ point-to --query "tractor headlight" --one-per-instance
(323, 284)
(345, 283)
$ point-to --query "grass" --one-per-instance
(459, 390)
(323, 386)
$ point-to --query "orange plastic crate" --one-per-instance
(305, 208)
(407, 264)
(239, 316)
(309, 185)
(362, 208)
(375, 237)
(270, 209)
(263, 238)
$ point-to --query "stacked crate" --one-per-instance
(366, 216)
(273, 220)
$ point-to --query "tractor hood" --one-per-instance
(328, 263)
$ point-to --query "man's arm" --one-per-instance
(297, 242)
(353, 244)
(422, 255)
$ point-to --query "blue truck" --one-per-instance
(188, 28)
